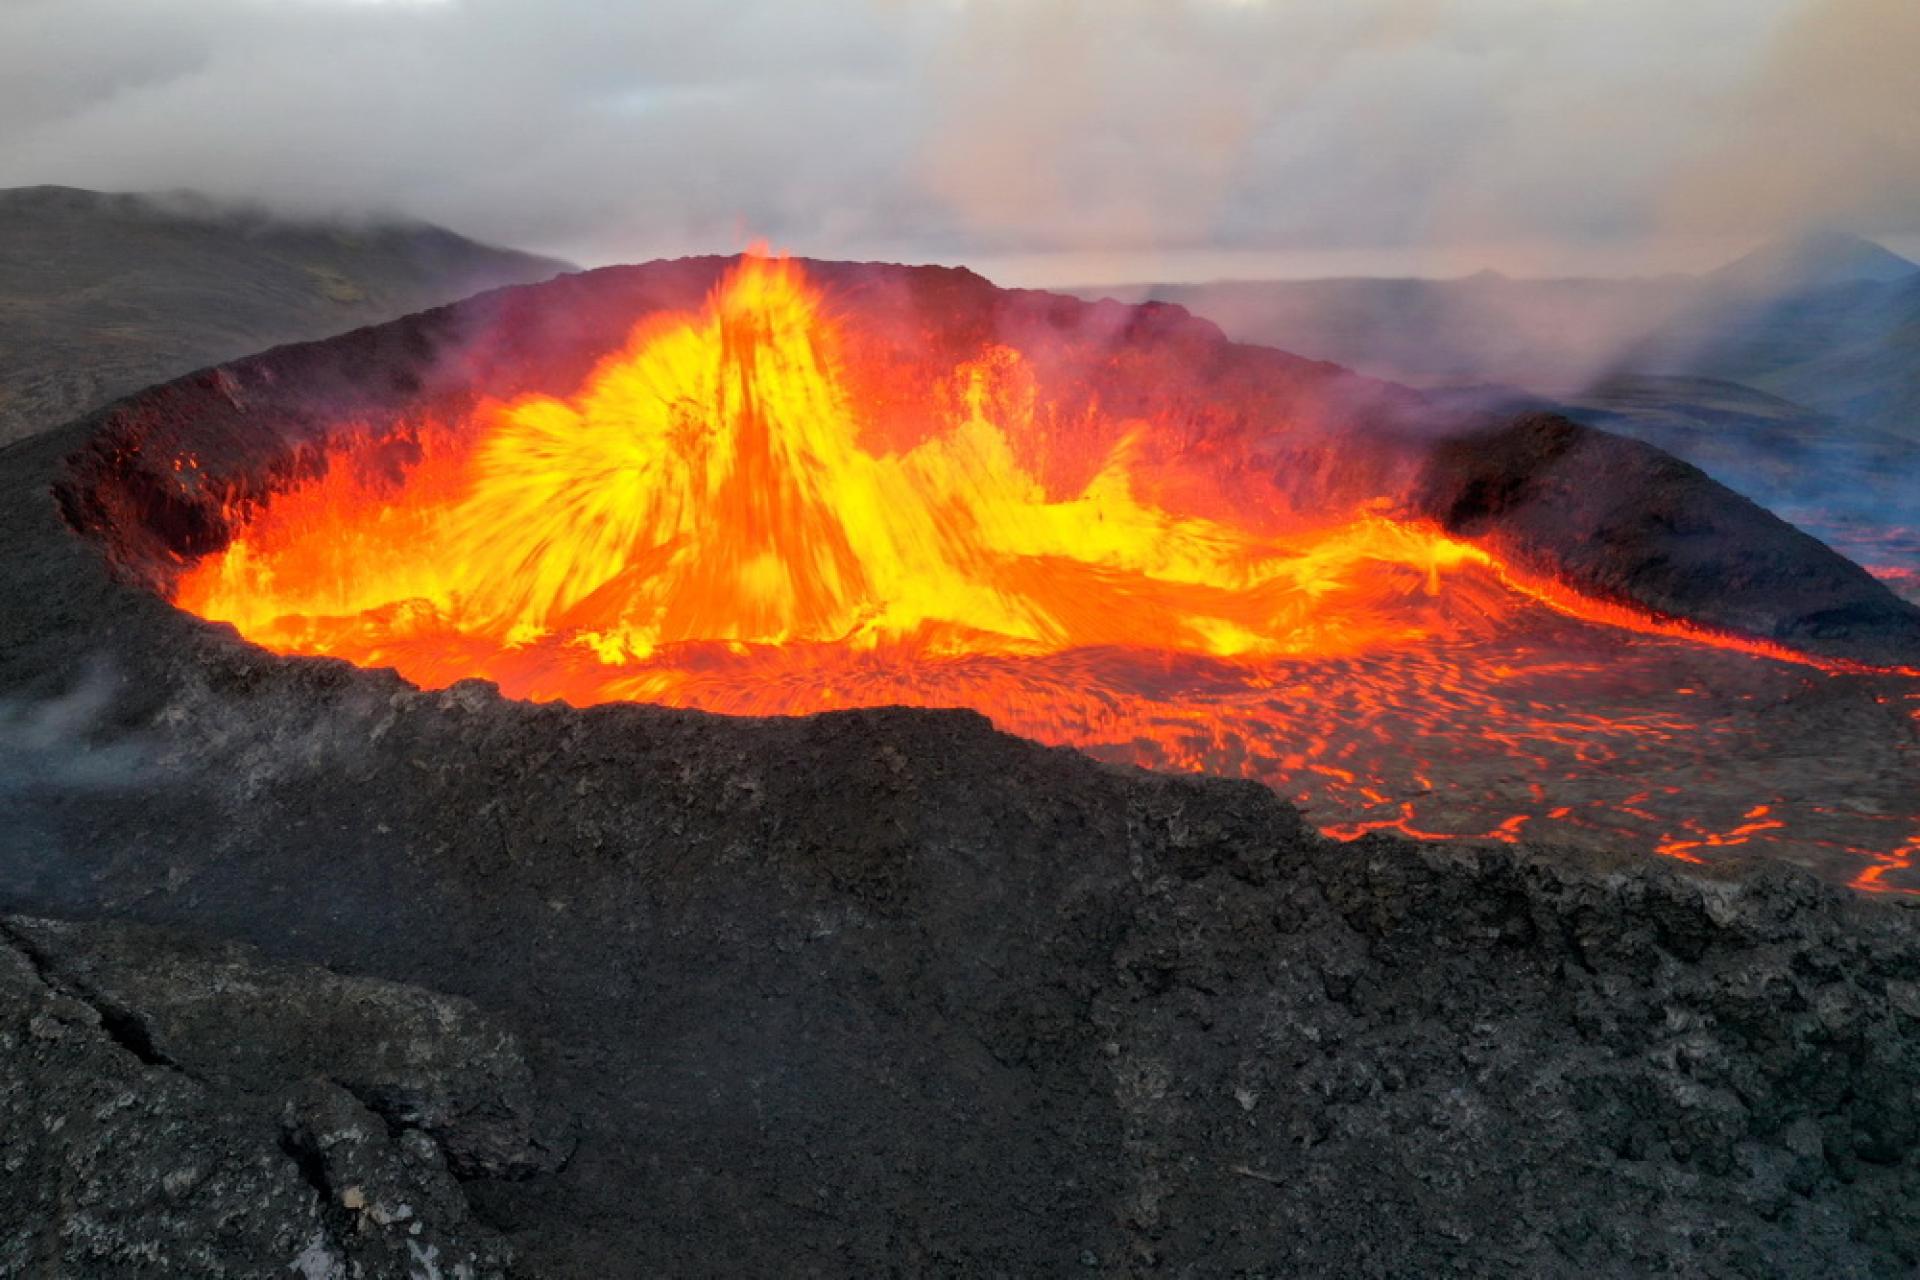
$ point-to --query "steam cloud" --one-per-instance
(984, 129)
(1828, 131)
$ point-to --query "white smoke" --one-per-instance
(962, 130)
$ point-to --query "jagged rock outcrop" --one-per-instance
(172, 1107)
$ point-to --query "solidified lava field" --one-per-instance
(777, 499)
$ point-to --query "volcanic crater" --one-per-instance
(766, 487)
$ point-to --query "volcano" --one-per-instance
(763, 487)
(879, 987)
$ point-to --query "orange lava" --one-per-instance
(1897, 860)
(1754, 822)
(712, 521)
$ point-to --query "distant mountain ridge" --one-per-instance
(1850, 349)
(102, 294)
(1812, 260)
(1555, 335)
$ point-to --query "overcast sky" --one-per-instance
(1053, 139)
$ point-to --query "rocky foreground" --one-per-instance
(181, 1108)
(896, 992)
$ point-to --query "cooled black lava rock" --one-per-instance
(1629, 522)
(170, 1107)
(889, 989)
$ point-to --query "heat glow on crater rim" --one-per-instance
(713, 520)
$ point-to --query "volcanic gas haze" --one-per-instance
(752, 507)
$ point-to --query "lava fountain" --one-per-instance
(721, 517)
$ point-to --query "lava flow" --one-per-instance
(713, 520)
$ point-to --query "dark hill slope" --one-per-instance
(1810, 261)
(103, 294)
(1850, 350)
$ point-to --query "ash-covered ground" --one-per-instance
(875, 991)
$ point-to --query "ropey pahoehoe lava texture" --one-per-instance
(761, 488)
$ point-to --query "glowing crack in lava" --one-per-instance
(712, 521)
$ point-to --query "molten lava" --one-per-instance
(709, 483)
(715, 519)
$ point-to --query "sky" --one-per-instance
(1045, 141)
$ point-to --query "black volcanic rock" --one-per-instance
(174, 1107)
(1825, 315)
(888, 989)
(222, 1015)
(1623, 520)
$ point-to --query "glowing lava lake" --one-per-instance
(743, 510)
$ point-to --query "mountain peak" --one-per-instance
(1813, 259)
